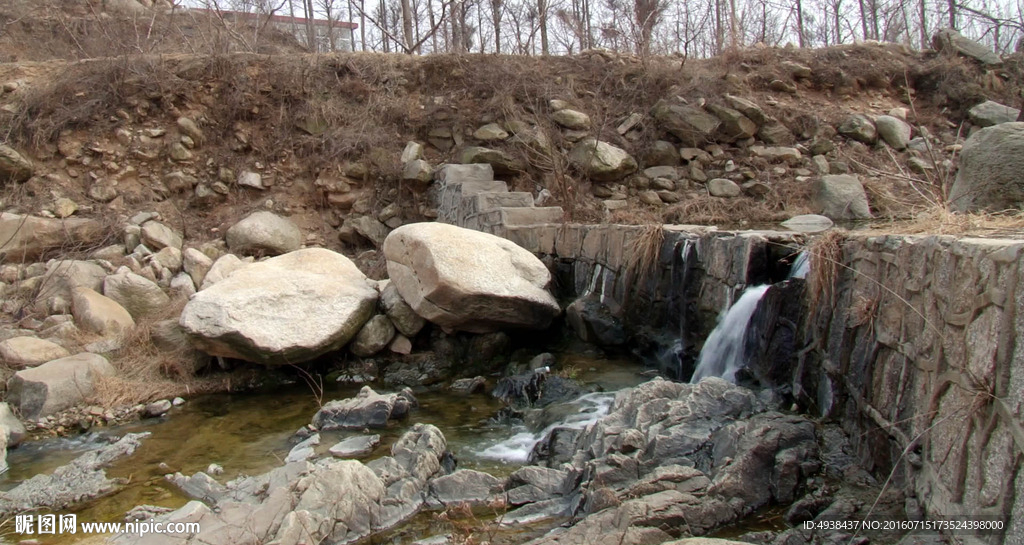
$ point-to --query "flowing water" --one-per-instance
(724, 351)
(248, 434)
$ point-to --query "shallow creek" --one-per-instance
(248, 434)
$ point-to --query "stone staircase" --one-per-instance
(470, 197)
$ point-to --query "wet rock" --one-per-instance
(601, 161)
(355, 447)
(435, 268)
(840, 197)
(141, 297)
(56, 385)
(264, 233)
(469, 385)
(99, 314)
(13, 167)
(374, 336)
(595, 322)
(304, 450)
(27, 238)
(21, 352)
(367, 410)
(71, 484)
(285, 310)
(989, 175)
(158, 408)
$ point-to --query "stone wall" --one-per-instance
(914, 348)
(917, 353)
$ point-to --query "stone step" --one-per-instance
(491, 200)
(454, 174)
(511, 217)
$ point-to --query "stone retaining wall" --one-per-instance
(915, 349)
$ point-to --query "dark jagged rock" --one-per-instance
(367, 410)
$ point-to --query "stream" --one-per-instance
(249, 433)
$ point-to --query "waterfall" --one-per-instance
(723, 352)
(589, 408)
(801, 266)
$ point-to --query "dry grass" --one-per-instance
(826, 258)
(644, 253)
(147, 372)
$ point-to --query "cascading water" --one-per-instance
(801, 266)
(723, 353)
(591, 407)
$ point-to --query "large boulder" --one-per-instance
(840, 197)
(466, 280)
(287, 309)
(19, 352)
(13, 167)
(989, 178)
(601, 161)
(367, 410)
(947, 39)
(264, 233)
(56, 385)
(99, 314)
(140, 296)
(28, 238)
(692, 126)
(990, 113)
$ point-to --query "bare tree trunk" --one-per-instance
(542, 15)
(733, 31)
(433, 24)
(800, 23)
(307, 8)
(719, 28)
(407, 25)
(362, 24)
(864, 19)
(384, 25)
(839, 29)
(496, 7)
(952, 14)
(924, 24)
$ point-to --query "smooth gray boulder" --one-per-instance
(720, 187)
(808, 223)
(140, 296)
(437, 270)
(989, 178)
(264, 233)
(285, 310)
(463, 486)
(991, 113)
(367, 410)
(225, 266)
(56, 385)
(196, 264)
(840, 197)
(601, 161)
